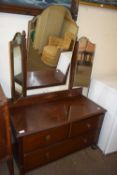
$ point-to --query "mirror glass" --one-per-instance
(50, 43)
(17, 63)
(17, 67)
(49, 34)
(85, 58)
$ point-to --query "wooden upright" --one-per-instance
(5, 133)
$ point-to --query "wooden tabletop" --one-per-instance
(45, 78)
(38, 117)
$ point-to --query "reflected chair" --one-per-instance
(56, 45)
(85, 51)
(81, 50)
(90, 50)
(51, 33)
(85, 57)
(28, 83)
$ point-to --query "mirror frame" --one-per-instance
(22, 46)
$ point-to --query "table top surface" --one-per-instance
(39, 117)
(45, 78)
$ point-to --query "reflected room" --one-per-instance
(85, 57)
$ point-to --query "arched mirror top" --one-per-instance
(17, 39)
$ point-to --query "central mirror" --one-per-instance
(49, 34)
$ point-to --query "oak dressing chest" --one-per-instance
(50, 126)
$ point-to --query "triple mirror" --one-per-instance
(43, 60)
(47, 60)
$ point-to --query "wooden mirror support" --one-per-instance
(18, 63)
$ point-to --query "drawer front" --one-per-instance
(86, 125)
(48, 154)
(44, 138)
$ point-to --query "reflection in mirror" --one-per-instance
(49, 34)
(85, 58)
(17, 63)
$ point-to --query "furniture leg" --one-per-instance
(10, 166)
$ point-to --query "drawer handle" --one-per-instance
(88, 125)
(48, 137)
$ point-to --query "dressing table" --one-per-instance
(52, 124)
(49, 126)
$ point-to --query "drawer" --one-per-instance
(44, 138)
(56, 151)
(86, 125)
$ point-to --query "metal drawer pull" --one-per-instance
(48, 137)
(88, 125)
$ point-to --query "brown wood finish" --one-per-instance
(45, 78)
(77, 128)
(47, 97)
(24, 63)
(22, 45)
(45, 131)
(74, 9)
(35, 11)
(5, 135)
(58, 150)
(44, 138)
(73, 65)
(2, 136)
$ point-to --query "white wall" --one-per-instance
(100, 25)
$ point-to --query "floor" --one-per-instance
(85, 162)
